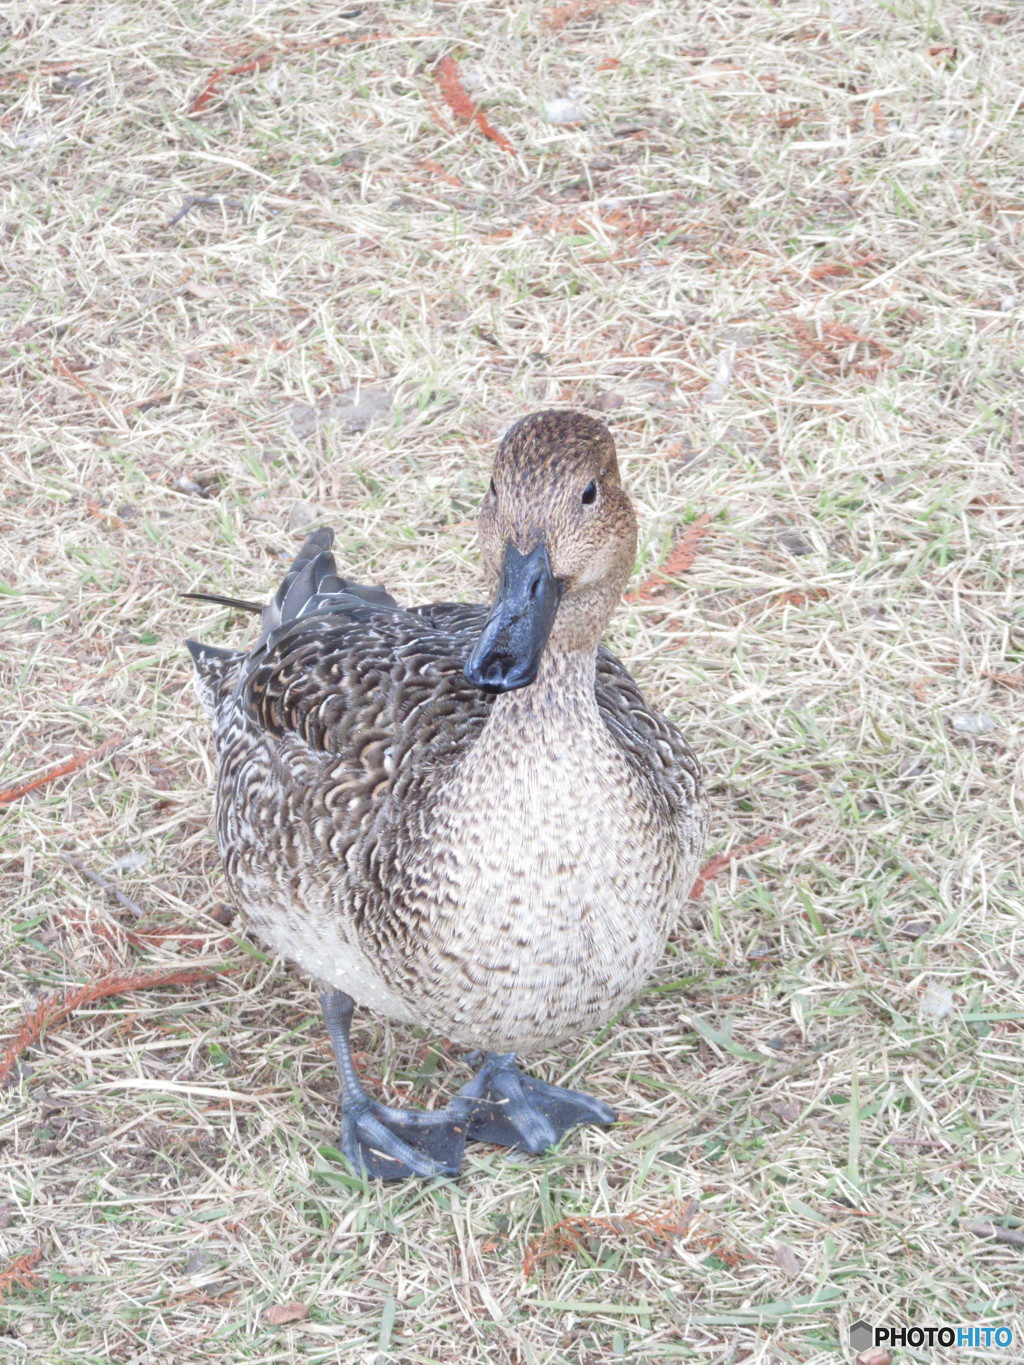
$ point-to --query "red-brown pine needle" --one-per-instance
(70, 765)
(266, 59)
(569, 1235)
(210, 88)
(679, 559)
(449, 82)
(20, 1272)
(830, 268)
(556, 19)
(714, 865)
(55, 1009)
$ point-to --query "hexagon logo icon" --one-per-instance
(862, 1335)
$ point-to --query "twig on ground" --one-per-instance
(195, 201)
(827, 346)
(568, 1234)
(55, 1009)
(714, 865)
(210, 88)
(20, 1272)
(1013, 1237)
(1014, 449)
(662, 1229)
(267, 59)
(67, 372)
(929, 1143)
(70, 765)
(827, 269)
(153, 400)
(107, 886)
(181, 939)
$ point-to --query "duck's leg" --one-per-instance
(384, 1142)
(517, 1110)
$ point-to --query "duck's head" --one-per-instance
(558, 537)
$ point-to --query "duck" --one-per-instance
(462, 817)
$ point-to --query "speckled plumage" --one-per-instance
(503, 869)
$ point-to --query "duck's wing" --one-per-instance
(365, 681)
(313, 572)
(652, 745)
(342, 667)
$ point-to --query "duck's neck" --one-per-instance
(559, 703)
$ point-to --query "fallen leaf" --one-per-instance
(794, 542)
(937, 1002)
(679, 559)
(787, 1259)
(300, 515)
(716, 72)
(943, 54)
(914, 928)
(556, 19)
(280, 1313)
(201, 291)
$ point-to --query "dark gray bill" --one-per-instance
(507, 655)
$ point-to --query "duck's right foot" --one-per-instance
(386, 1143)
(520, 1111)
(392, 1144)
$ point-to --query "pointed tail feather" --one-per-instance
(313, 575)
(239, 603)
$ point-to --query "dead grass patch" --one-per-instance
(258, 274)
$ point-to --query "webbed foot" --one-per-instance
(386, 1143)
(516, 1110)
(392, 1144)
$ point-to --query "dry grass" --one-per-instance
(783, 256)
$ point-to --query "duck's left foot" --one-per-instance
(516, 1110)
(387, 1143)
(394, 1144)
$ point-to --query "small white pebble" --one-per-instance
(973, 722)
(565, 111)
(937, 1002)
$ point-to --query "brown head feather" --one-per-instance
(556, 479)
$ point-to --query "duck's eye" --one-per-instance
(589, 493)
